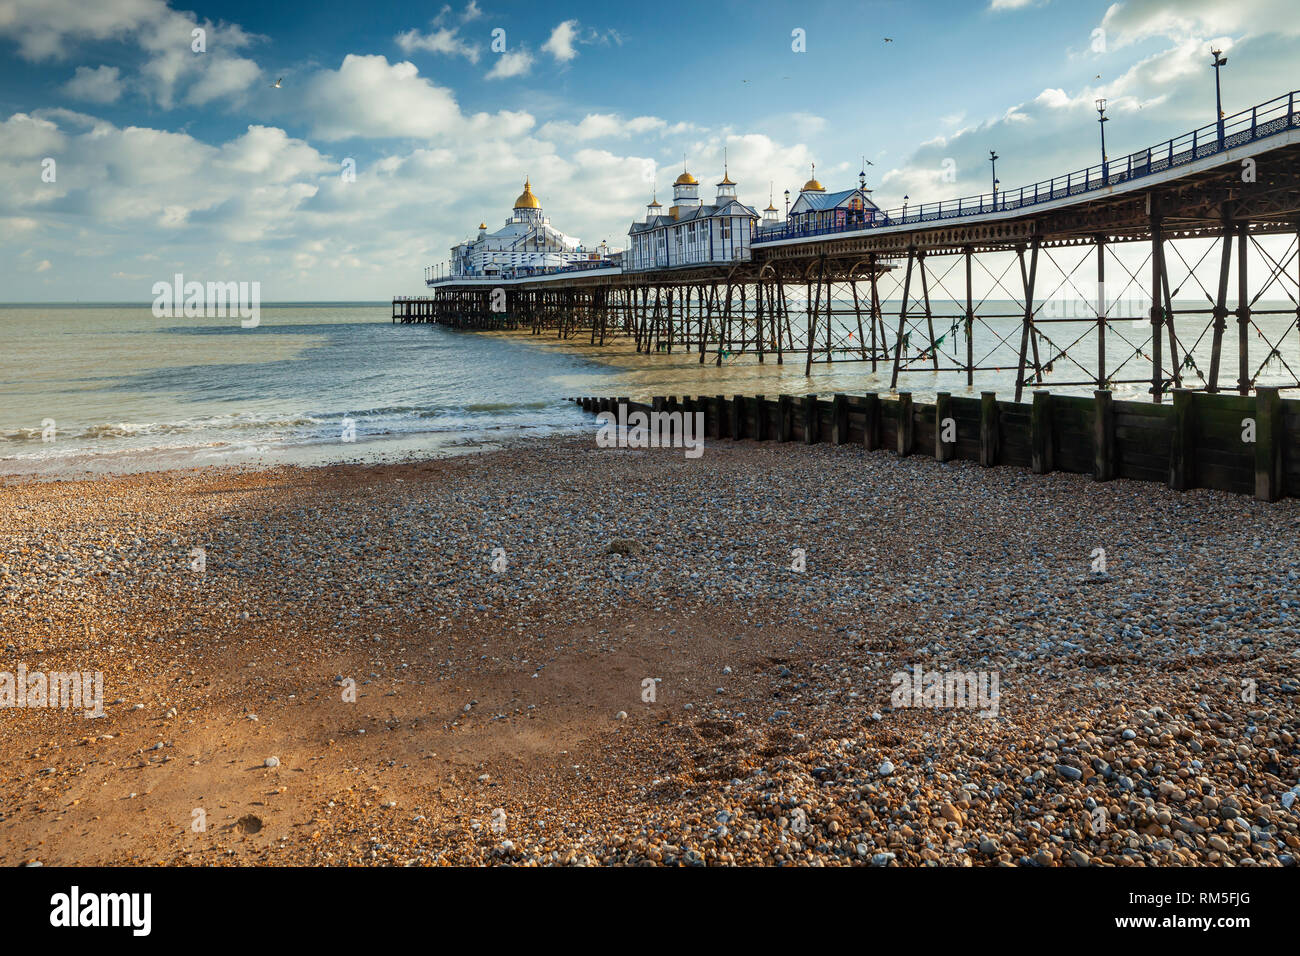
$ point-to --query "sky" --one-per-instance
(332, 150)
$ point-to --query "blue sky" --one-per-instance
(169, 160)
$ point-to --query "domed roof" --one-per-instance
(812, 185)
(686, 179)
(482, 226)
(526, 198)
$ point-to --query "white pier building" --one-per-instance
(691, 233)
(527, 245)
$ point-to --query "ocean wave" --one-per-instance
(317, 427)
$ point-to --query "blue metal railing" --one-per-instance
(1267, 119)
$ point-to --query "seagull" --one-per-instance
(889, 39)
(276, 84)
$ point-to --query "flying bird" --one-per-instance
(276, 84)
(889, 39)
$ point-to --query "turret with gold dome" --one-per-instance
(686, 193)
(812, 185)
(817, 209)
(527, 201)
(527, 245)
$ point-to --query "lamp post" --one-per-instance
(993, 159)
(787, 209)
(1101, 121)
(905, 198)
(1219, 60)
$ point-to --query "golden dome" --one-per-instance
(726, 180)
(812, 185)
(482, 226)
(686, 179)
(526, 198)
(770, 207)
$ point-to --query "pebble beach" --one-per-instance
(558, 654)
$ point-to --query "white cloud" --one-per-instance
(368, 96)
(1137, 20)
(518, 63)
(152, 182)
(441, 40)
(278, 211)
(601, 126)
(1012, 4)
(270, 155)
(560, 44)
(225, 78)
(50, 29)
(27, 137)
(99, 85)
(44, 28)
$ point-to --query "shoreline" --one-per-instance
(388, 451)
(523, 690)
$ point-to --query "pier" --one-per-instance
(1195, 209)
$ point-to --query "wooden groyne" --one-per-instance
(1241, 444)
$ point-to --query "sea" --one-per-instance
(111, 389)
